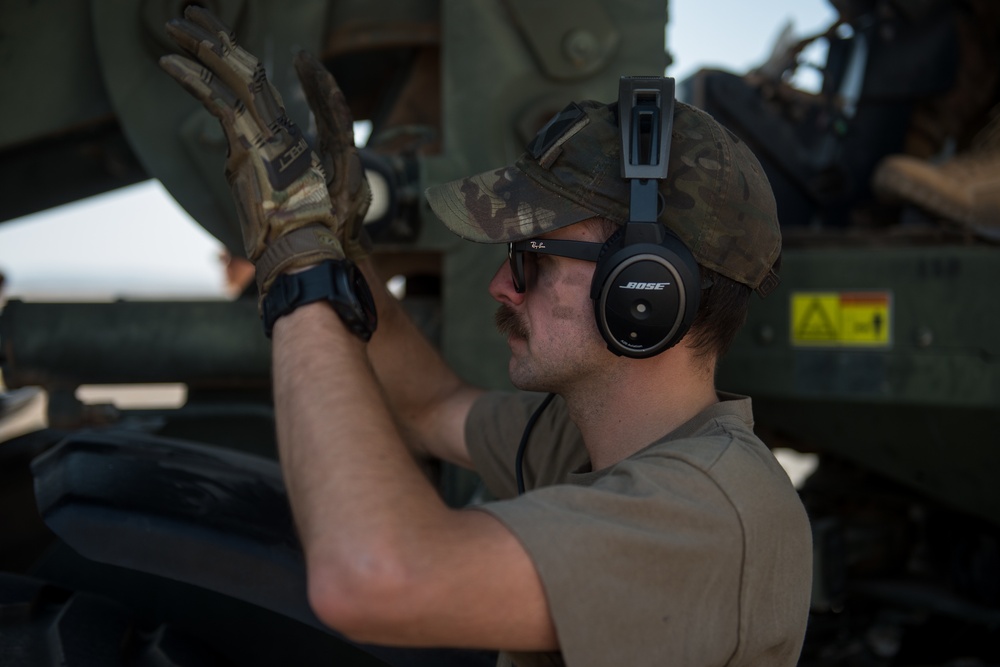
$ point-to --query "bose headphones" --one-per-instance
(647, 284)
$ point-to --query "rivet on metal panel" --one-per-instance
(581, 47)
(571, 39)
(924, 337)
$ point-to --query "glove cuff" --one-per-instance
(298, 248)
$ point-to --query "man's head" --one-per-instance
(716, 198)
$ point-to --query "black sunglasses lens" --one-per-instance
(516, 260)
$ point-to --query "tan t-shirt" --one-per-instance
(694, 551)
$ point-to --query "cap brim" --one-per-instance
(501, 206)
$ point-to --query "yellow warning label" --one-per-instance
(849, 319)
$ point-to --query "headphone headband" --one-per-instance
(645, 286)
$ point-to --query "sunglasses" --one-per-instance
(585, 250)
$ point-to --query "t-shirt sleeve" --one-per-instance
(646, 551)
(493, 432)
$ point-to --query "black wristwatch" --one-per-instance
(340, 283)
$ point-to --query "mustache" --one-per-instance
(509, 323)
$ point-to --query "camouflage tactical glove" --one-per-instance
(345, 174)
(287, 217)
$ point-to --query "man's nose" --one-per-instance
(502, 286)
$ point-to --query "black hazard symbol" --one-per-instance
(815, 324)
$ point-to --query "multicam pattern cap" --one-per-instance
(716, 196)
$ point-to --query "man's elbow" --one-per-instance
(365, 598)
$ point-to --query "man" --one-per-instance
(656, 529)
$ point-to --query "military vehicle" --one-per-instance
(162, 536)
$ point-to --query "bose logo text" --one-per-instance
(651, 286)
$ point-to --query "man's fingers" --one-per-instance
(334, 124)
(221, 39)
(346, 182)
(202, 84)
(208, 21)
(335, 129)
(317, 82)
(213, 44)
(191, 37)
(216, 50)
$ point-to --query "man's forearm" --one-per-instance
(361, 505)
(388, 561)
(344, 462)
(428, 398)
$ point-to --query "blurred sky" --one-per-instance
(137, 242)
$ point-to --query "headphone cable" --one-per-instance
(519, 460)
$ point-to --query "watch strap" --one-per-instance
(338, 282)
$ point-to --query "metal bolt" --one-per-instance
(581, 47)
(924, 337)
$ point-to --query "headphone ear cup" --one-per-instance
(645, 295)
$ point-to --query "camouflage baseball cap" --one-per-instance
(716, 196)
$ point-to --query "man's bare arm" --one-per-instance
(388, 561)
(426, 396)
